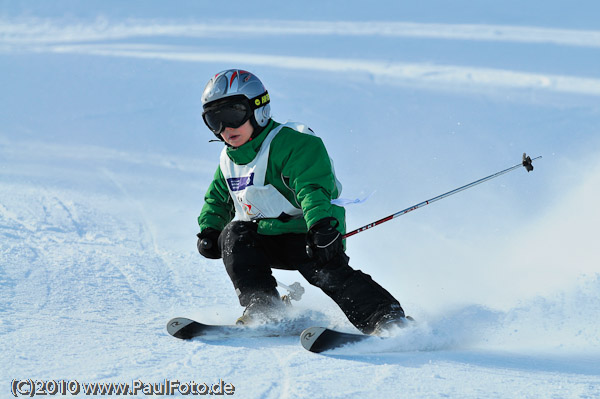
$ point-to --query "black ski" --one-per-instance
(320, 339)
(184, 328)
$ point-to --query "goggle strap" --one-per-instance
(260, 100)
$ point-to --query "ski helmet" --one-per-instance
(242, 88)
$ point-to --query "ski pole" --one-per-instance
(526, 164)
(295, 291)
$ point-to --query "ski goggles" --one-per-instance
(231, 112)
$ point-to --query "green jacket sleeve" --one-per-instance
(311, 177)
(218, 209)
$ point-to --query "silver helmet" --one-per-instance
(236, 82)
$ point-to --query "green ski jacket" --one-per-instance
(298, 167)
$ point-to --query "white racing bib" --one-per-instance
(252, 198)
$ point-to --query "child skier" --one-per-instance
(269, 206)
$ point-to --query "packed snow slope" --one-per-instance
(104, 161)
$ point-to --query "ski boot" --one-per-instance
(390, 322)
(263, 310)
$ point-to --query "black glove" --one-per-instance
(324, 242)
(208, 243)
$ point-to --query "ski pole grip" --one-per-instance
(527, 162)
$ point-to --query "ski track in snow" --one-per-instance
(48, 31)
(48, 36)
(383, 72)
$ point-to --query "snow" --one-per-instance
(104, 161)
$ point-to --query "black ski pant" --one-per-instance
(249, 258)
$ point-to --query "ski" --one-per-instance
(320, 339)
(184, 328)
